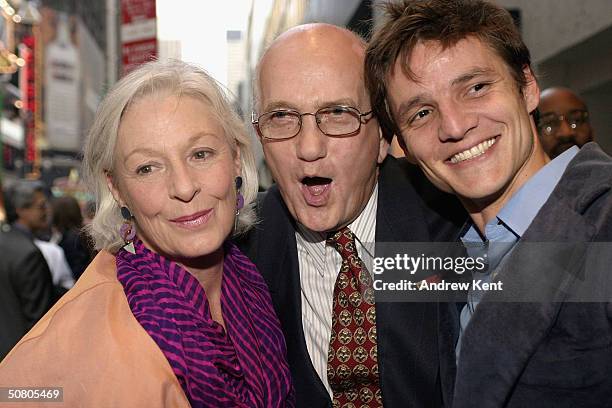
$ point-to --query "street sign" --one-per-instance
(138, 33)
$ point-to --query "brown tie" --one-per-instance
(352, 364)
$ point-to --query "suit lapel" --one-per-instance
(277, 253)
(399, 215)
(276, 250)
(504, 333)
(400, 218)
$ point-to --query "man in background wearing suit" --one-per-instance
(26, 288)
(338, 193)
(454, 79)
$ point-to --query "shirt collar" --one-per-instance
(363, 227)
(522, 208)
(524, 205)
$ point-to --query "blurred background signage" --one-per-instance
(138, 32)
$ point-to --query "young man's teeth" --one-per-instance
(473, 152)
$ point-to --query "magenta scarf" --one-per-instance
(243, 367)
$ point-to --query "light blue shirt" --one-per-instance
(503, 232)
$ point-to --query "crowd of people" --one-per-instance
(205, 293)
(44, 251)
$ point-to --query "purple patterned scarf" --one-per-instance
(245, 367)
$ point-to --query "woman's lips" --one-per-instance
(193, 220)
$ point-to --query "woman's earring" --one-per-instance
(127, 230)
(239, 200)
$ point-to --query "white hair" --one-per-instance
(153, 78)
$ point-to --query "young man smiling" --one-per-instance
(453, 79)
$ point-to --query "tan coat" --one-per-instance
(90, 344)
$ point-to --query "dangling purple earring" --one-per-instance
(127, 230)
(239, 200)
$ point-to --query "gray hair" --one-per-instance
(173, 78)
(20, 195)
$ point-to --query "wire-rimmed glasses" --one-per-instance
(335, 121)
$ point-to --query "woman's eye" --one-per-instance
(201, 154)
(144, 169)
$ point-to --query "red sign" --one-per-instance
(28, 91)
(134, 10)
(138, 33)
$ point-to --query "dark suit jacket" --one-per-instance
(408, 352)
(78, 253)
(556, 352)
(26, 287)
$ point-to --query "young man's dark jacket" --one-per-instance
(555, 351)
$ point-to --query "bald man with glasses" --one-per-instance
(564, 121)
(338, 194)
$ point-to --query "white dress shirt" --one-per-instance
(319, 266)
(58, 265)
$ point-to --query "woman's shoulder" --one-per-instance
(90, 344)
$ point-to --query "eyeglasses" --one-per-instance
(551, 122)
(283, 124)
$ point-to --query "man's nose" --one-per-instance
(565, 129)
(311, 143)
(455, 121)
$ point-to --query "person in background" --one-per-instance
(67, 222)
(27, 207)
(453, 79)
(170, 313)
(58, 265)
(337, 194)
(564, 121)
(26, 287)
(29, 214)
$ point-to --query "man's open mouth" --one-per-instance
(316, 190)
(316, 185)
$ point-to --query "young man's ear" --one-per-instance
(531, 90)
(383, 146)
(399, 141)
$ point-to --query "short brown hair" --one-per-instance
(408, 22)
(66, 214)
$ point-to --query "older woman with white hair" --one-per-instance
(170, 312)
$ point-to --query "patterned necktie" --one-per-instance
(352, 364)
